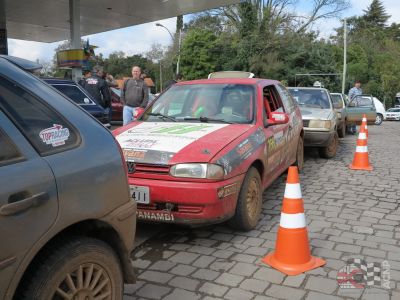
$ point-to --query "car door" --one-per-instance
(276, 135)
(28, 198)
(358, 106)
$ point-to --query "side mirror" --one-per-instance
(277, 118)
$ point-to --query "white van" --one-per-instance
(380, 111)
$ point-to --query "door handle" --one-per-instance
(23, 204)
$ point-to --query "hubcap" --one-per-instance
(86, 282)
(252, 199)
(378, 119)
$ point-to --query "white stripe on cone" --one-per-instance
(293, 191)
(364, 119)
(362, 136)
(292, 221)
(362, 149)
(366, 127)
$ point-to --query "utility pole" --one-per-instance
(344, 55)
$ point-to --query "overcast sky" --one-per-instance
(138, 39)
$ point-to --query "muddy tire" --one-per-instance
(342, 130)
(330, 150)
(81, 268)
(248, 207)
(299, 163)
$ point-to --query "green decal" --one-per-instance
(181, 129)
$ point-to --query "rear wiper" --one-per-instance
(205, 120)
(162, 116)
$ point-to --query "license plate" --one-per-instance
(141, 194)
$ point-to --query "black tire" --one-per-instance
(342, 130)
(330, 150)
(299, 154)
(248, 207)
(80, 259)
(379, 119)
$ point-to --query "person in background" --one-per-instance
(178, 77)
(86, 74)
(134, 96)
(110, 80)
(98, 88)
(353, 92)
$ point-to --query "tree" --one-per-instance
(376, 14)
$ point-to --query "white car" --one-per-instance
(393, 114)
(380, 111)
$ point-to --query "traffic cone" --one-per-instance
(292, 254)
(364, 123)
(361, 160)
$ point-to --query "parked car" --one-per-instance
(81, 97)
(204, 150)
(380, 111)
(67, 220)
(393, 114)
(358, 106)
(117, 105)
(339, 104)
(319, 119)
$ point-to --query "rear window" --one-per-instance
(74, 93)
(45, 128)
(311, 98)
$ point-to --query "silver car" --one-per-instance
(319, 119)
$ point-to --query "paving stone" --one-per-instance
(326, 253)
(258, 251)
(182, 270)
(284, 292)
(205, 274)
(269, 275)
(203, 261)
(221, 265)
(243, 269)
(374, 293)
(141, 263)
(184, 257)
(153, 291)
(320, 284)
(322, 243)
(155, 276)
(350, 293)
(294, 281)
(319, 296)
(229, 279)
(132, 288)
(244, 258)
(184, 283)
(253, 241)
(373, 252)
(179, 294)
(255, 285)
(348, 248)
(213, 289)
(238, 294)
(222, 237)
(223, 253)
(162, 265)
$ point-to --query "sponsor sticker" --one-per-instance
(55, 136)
(155, 216)
(131, 155)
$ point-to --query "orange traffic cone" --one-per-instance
(361, 160)
(364, 123)
(292, 251)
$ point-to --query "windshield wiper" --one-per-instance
(205, 120)
(162, 116)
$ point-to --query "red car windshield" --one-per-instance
(232, 103)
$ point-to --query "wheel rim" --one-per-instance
(378, 119)
(252, 199)
(86, 282)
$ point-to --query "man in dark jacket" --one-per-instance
(98, 88)
(134, 96)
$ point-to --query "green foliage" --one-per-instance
(376, 14)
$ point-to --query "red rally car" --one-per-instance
(205, 150)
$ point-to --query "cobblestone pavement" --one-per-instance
(350, 214)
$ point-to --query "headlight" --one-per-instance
(206, 171)
(320, 124)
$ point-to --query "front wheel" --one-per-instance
(300, 154)
(81, 268)
(378, 119)
(330, 150)
(248, 207)
(342, 130)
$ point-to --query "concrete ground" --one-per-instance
(350, 214)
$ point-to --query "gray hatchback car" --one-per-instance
(67, 221)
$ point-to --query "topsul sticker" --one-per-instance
(55, 136)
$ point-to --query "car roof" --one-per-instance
(58, 80)
(25, 64)
(306, 88)
(229, 81)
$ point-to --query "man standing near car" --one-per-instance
(353, 92)
(98, 88)
(134, 96)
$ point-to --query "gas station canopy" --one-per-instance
(49, 20)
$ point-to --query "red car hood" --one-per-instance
(171, 143)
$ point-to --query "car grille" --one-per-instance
(306, 123)
(146, 168)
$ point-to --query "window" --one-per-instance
(272, 101)
(45, 128)
(361, 101)
(8, 151)
(337, 100)
(74, 93)
(287, 99)
(311, 97)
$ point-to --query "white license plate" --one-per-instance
(141, 194)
